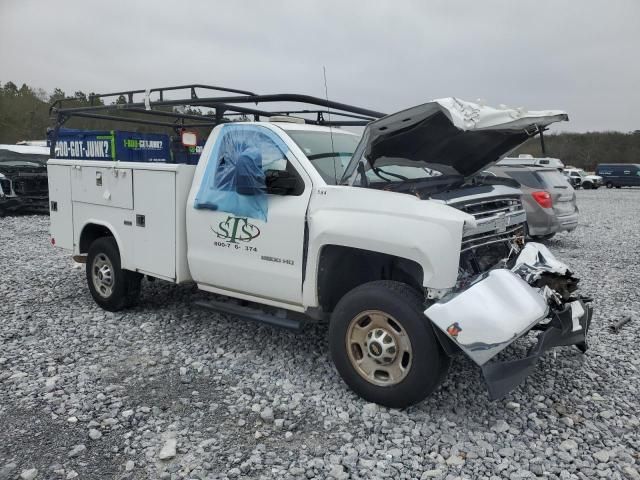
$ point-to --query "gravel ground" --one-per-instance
(170, 391)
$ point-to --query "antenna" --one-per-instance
(333, 150)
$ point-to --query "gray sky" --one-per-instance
(580, 56)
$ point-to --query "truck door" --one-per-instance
(242, 237)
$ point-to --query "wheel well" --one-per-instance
(90, 233)
(341, 269)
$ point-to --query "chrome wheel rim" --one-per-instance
(379, 348)
(102, 275)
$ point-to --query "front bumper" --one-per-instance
(25, 204)
(543, 223)
(504, 305)
(9, 204)
(567, 327)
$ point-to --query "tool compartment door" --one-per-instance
(154, 222)
(108, 186)
(61, 209)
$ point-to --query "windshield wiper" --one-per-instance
(430, 185)
(329, 154)
(378, 171)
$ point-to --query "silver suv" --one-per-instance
(548, 198)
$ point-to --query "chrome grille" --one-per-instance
(30, 186)
(491, 207)
(498, 228)
(481, 239)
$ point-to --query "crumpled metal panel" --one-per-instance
(502, 306)
(490, 315)
(536, 259)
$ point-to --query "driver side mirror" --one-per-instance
(280, 182)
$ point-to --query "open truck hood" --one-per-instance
(463, 135)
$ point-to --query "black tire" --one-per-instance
(542, 238)
(587, 185)
(536, 238)
(609, 185)
(429, 364)
(125, 289)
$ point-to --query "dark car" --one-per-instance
(23, 179)
(619, 174)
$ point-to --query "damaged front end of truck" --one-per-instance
(505, 289)
(532, 292)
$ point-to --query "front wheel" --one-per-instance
(609, 184)
(111, 287)
(384, 347)
(587, 185)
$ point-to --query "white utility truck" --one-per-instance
(579, 178)
(391, 235)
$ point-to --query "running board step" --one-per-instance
(251, 314)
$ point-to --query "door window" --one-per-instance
(235, 179)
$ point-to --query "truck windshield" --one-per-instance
(393, 169)
(328, 156)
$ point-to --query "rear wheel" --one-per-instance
(111, 287)
(383, 345)
(609, 185)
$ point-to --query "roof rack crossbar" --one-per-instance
(324, 112)
(215, 101)
(341, 114)
(161, 113)
(144, 121)
(128, 94)
(204, 121)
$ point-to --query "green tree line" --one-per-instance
(24, 115)
(586, 150)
